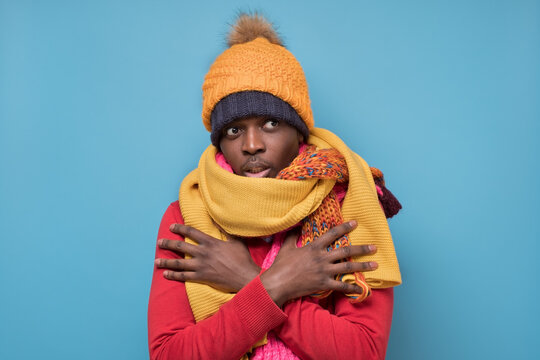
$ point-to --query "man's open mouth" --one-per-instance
(258, 172)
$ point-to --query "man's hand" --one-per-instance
(310, 269)
(224, 265)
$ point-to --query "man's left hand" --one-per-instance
(224, 265)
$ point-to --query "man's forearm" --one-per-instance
(353, 331)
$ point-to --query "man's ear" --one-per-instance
(300, 137)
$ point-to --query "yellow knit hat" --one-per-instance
(256, 61)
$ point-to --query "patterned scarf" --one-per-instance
(324, 164)
(212, 198)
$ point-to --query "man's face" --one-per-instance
(259, 146)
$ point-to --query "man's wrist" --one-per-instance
(250, 274)
(273, 287)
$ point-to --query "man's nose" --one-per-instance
(253, 141)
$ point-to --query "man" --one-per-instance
(268, 269)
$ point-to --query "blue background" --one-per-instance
(100, 120)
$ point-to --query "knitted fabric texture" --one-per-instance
(324, 164)
(212, 198)
(389, 202)
(257, 65)
(274, 347)
(253, 103)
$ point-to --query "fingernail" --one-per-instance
(171, 227)
(373, 265)
(160, 242)
(157, 261)
(353, 223)
(372, 248)
(165, 273)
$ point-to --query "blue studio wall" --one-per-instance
(100, 120)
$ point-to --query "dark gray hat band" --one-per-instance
(253, 103)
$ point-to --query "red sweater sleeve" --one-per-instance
(229, 333)
(350, 331)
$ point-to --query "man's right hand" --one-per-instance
(312, 268)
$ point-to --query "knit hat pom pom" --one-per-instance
(248, 27)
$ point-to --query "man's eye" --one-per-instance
(270, 124)
(231, 131)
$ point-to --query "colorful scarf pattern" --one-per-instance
(212, 198)
(324, 164)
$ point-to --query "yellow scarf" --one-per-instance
(253, 207)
